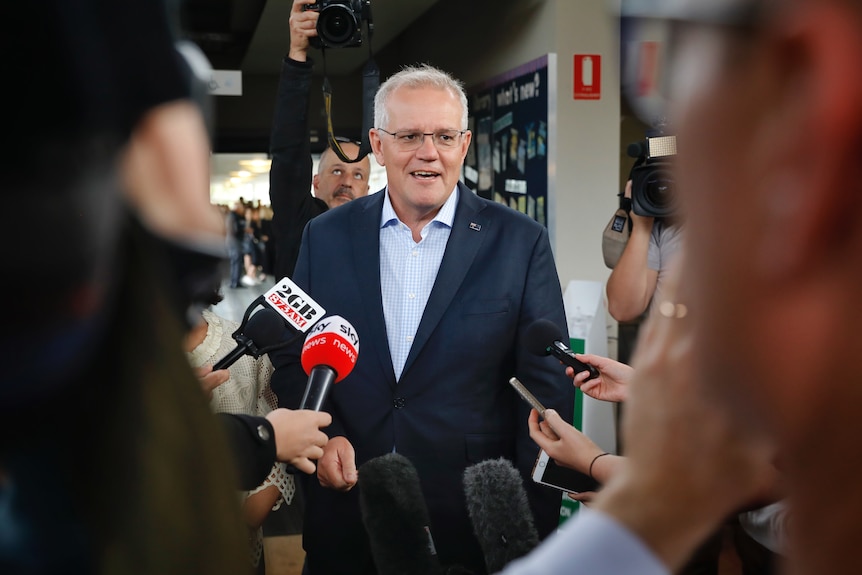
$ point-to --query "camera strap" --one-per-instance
(370, 83)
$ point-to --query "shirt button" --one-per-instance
(263, 432)
(409, 338)
(399, 402)
(411, 296)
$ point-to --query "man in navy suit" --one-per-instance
(440, 286)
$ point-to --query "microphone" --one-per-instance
(396, 517)
(284, 305)
(263, 329)
(499, 512)
(328, 355)
(544, 338)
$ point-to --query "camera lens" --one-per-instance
(336, 25)
(658, 192)
(653, 193)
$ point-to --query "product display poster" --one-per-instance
(510, 160)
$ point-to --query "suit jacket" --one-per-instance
(453, 405)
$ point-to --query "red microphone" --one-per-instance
(328, 355)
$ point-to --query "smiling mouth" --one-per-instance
(424, 175)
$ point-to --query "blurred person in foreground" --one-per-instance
(290, 178)
(765, 99)
(110, 460)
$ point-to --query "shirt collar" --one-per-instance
(446, 214)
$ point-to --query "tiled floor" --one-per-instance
(236, 300)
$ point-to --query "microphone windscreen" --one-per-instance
(540, 335)
(332, 342)
(499, 512)
(264, 328)
(396, 517)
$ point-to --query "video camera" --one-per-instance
(653, 192)
(340, 22)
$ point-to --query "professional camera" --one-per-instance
(340, 22)
(652, 179)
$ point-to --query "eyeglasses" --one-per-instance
(658, 56)
(408, 140)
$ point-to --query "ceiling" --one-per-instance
(253, 36)
(250, 35)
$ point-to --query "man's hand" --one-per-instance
(303, 25)
(612, 383)
(337, 468)
(298, 438)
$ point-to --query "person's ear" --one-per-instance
(315, 182)
(810, 138)
(376, 146)
(465, 143)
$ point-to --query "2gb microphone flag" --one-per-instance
(298, 309)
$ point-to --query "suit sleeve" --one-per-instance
(290, 176)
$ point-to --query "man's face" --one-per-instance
(337, 182)
(420, 181)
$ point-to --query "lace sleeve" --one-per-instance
(281, 479)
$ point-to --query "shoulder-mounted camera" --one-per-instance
(653, 192)
(340, 22)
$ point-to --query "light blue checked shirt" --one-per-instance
(407, 273)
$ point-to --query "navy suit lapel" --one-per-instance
(365, 235)
(464, 242)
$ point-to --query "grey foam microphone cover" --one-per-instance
(396, 517)
(499, 512)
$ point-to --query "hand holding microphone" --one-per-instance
(611, 384)
(298, 438)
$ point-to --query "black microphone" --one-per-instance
(499, 512)
(396, 517)
(263, 329)
(544, 338)
(329, 353)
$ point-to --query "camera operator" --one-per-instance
(290, 177)
(637, 277)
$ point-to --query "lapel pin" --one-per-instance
(475, 227)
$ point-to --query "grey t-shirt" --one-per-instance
(663, 246)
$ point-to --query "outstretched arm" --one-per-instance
(290, 174)
(612, 383)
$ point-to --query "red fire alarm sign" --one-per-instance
(588, 77)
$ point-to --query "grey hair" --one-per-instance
(417, 76)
